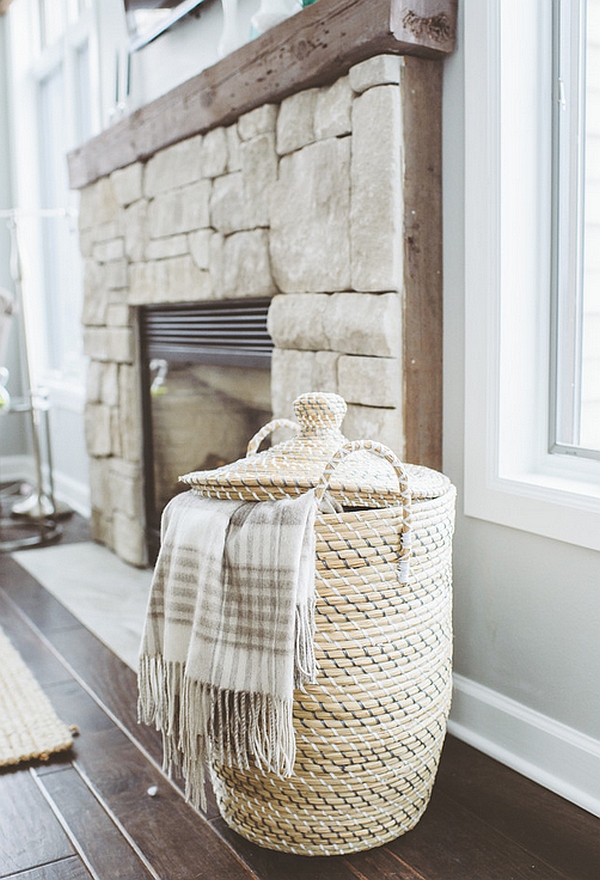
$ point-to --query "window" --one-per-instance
(53, 111)
(517, 391)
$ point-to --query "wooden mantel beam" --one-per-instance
(313, 47)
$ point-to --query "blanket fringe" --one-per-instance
(201, 723)
(159, 687)
(305, 664)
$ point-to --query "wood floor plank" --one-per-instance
(114, 683)
(75, 529)
(451, 843)
(383, 864)
(91, 827)
(114, 686)
(269, 865)
(556, 830)
(65, 869)
(30, 834)
(71, 699)
(41, 662)
(174, 838)
(168, 831)
(40, 606)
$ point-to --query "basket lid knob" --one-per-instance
(320, 412)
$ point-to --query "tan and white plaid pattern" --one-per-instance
(229, 631)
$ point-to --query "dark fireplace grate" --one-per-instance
(231, 332)
(205, 391)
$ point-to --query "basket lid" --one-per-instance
(296, 465)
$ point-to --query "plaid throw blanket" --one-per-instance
(229, 633)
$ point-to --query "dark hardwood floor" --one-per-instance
(88, 813)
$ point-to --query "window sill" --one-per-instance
(557, 507)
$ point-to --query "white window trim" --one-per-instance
(510, 478)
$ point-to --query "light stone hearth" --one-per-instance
(302, 202)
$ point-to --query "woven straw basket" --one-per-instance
(370, 732)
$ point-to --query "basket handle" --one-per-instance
(254, 443)
(382, 451)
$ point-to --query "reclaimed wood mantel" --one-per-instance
(311, 48)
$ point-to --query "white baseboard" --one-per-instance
(16, 467)
(556, 756)
(73, 493)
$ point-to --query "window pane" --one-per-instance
(62, 282)
(575, 389)
(52, 21)
(590, 343)
(77, 8)
(83, 117)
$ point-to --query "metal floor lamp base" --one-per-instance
(33, 521)
(39, 506)
(42, 534)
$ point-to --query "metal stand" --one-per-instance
(33, 517)
(33, 521)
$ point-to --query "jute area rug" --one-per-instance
(29, 727)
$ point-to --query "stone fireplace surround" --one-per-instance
(325, 199)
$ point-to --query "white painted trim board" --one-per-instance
(553, 754)
(74, 493)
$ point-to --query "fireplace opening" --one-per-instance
(206, 389)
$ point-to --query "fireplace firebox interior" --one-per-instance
(205, 391)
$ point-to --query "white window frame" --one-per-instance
(30, 66)
(510, 476)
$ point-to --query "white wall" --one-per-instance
(177, 55)
(527, 609)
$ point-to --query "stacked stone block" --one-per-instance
(300, 202)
